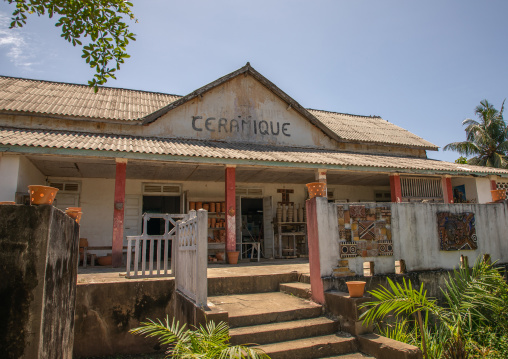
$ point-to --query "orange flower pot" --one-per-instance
(498, 195)
(42, 194)
(233, 257)
(7, 202)
(75, 213)
(105, 261)
(316, 189)
(356, 288)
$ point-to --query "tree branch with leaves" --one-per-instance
(103, 22)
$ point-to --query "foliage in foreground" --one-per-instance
(100, 20)
(471, 323)
(203, 342)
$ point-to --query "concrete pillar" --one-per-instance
(395, 188)
(118, 215)
(493, 183)
(446, 182)
(316, 283)
(321, 177)
(230, 208)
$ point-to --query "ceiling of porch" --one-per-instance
(77, 167)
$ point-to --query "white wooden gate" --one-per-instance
(146, 245)
(191, 257)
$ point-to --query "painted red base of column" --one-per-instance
(117, 245)
(447, 190)
(316, 283)
(395, 188)
(230, 209)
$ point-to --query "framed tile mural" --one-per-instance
(456, 231)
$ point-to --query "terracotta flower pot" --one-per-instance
(316, 189)
(42, 194)
(75, 213)
(498, 195)
(233, 257)
(105, 261)
(7, 202)
(356, 288)
(220, 256)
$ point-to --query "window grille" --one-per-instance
(424, 188)
(161, 189)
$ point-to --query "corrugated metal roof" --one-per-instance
(62, 99)
(226, 150)
(372, 129)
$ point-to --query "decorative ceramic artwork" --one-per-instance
(348, 249)
(357, 211)
(456, 231)
(366, 230)
(385, 248)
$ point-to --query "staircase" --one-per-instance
(286, 324)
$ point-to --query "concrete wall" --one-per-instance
(415, 236)
(9, 168)
(105, 312)
(38, 256)
(28, 174)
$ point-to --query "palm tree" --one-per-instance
(486, 139)
(208, 342)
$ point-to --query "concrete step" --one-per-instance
(304, 278)
(357, 355)
(298, 289)
(310, 348)
(263, 308)
(279, 332)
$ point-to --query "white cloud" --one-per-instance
(17, 44)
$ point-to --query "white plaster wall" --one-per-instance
(97, 196)
(28, 175)
(9, 170)
(483, 189)
(356, 193)
(415, 237)
(415, 234)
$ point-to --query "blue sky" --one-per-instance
(421, 65)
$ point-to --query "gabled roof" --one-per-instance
(63, 99)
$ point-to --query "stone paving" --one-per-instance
(107, 274)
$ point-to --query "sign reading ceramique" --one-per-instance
(243, 126)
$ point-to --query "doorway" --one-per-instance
(155, 226)
(252, 223)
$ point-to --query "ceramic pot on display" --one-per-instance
(356, 288)
(42, 194)
(316, 189)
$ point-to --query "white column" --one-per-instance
(9, 172)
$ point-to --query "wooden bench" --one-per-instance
(93, 256)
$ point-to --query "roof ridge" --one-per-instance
(83, 85)
(348, 114)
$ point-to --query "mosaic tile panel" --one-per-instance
(456, 231)
(342, 233)
(357, 211)
(348, 235)
(348, 249)
(385, 248)
(366, 230)
(340, 211)
(347, 217)
(367, 248)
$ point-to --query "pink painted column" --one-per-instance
(117, 256)
(395, 188)
(316, 283)
(230, 209)
(447, 189)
